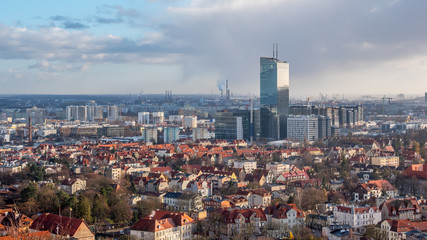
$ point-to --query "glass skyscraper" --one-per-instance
(274, 87)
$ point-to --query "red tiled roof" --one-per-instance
(161, 220)
(56, 224)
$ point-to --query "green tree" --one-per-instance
(99, 207)
(29, 192)
(63, 198)
(84, 209)
(73, 203)
(36, 173)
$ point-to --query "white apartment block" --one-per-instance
(113, 113)
(200, 133)
(248, 166)
(357, 217)
(189, 122)
(113, 173)
(149, 134)
(158, 117)
(176, 118)
(143, 118)
(303, 127)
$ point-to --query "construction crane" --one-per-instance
(384, 99)
(308, 100)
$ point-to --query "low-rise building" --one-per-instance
(164, 225)
(397, 229)
(356, 216)
(71, 186)
(389, 161)
(402, 208)
(375, 188)
(179, 201)
(62, 227)
(280, 215)
(241, 222)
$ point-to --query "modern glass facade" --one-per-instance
(274, 87)
(232, 125)
(274, 84)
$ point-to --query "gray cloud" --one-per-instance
(68, 23)
(332, 46)
(318, 38)
(74, 25)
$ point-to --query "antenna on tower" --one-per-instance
(277, 51)
(273, 50)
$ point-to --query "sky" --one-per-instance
(357, 47)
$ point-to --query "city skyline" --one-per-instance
(99, 47)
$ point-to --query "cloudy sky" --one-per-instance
(129, 46)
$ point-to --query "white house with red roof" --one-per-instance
(284, 214)
(164, 225)
(201, 187)
(374, 188)
(357, 216)
(292, 176)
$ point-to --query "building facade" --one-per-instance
(303, 128)
(274, 90)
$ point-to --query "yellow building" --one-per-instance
(390, 161)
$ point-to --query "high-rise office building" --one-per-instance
(274, 91)
(325, 125)
(274, 84)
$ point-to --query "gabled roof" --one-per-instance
(395, 206)
(56, 224)
(280, 210)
